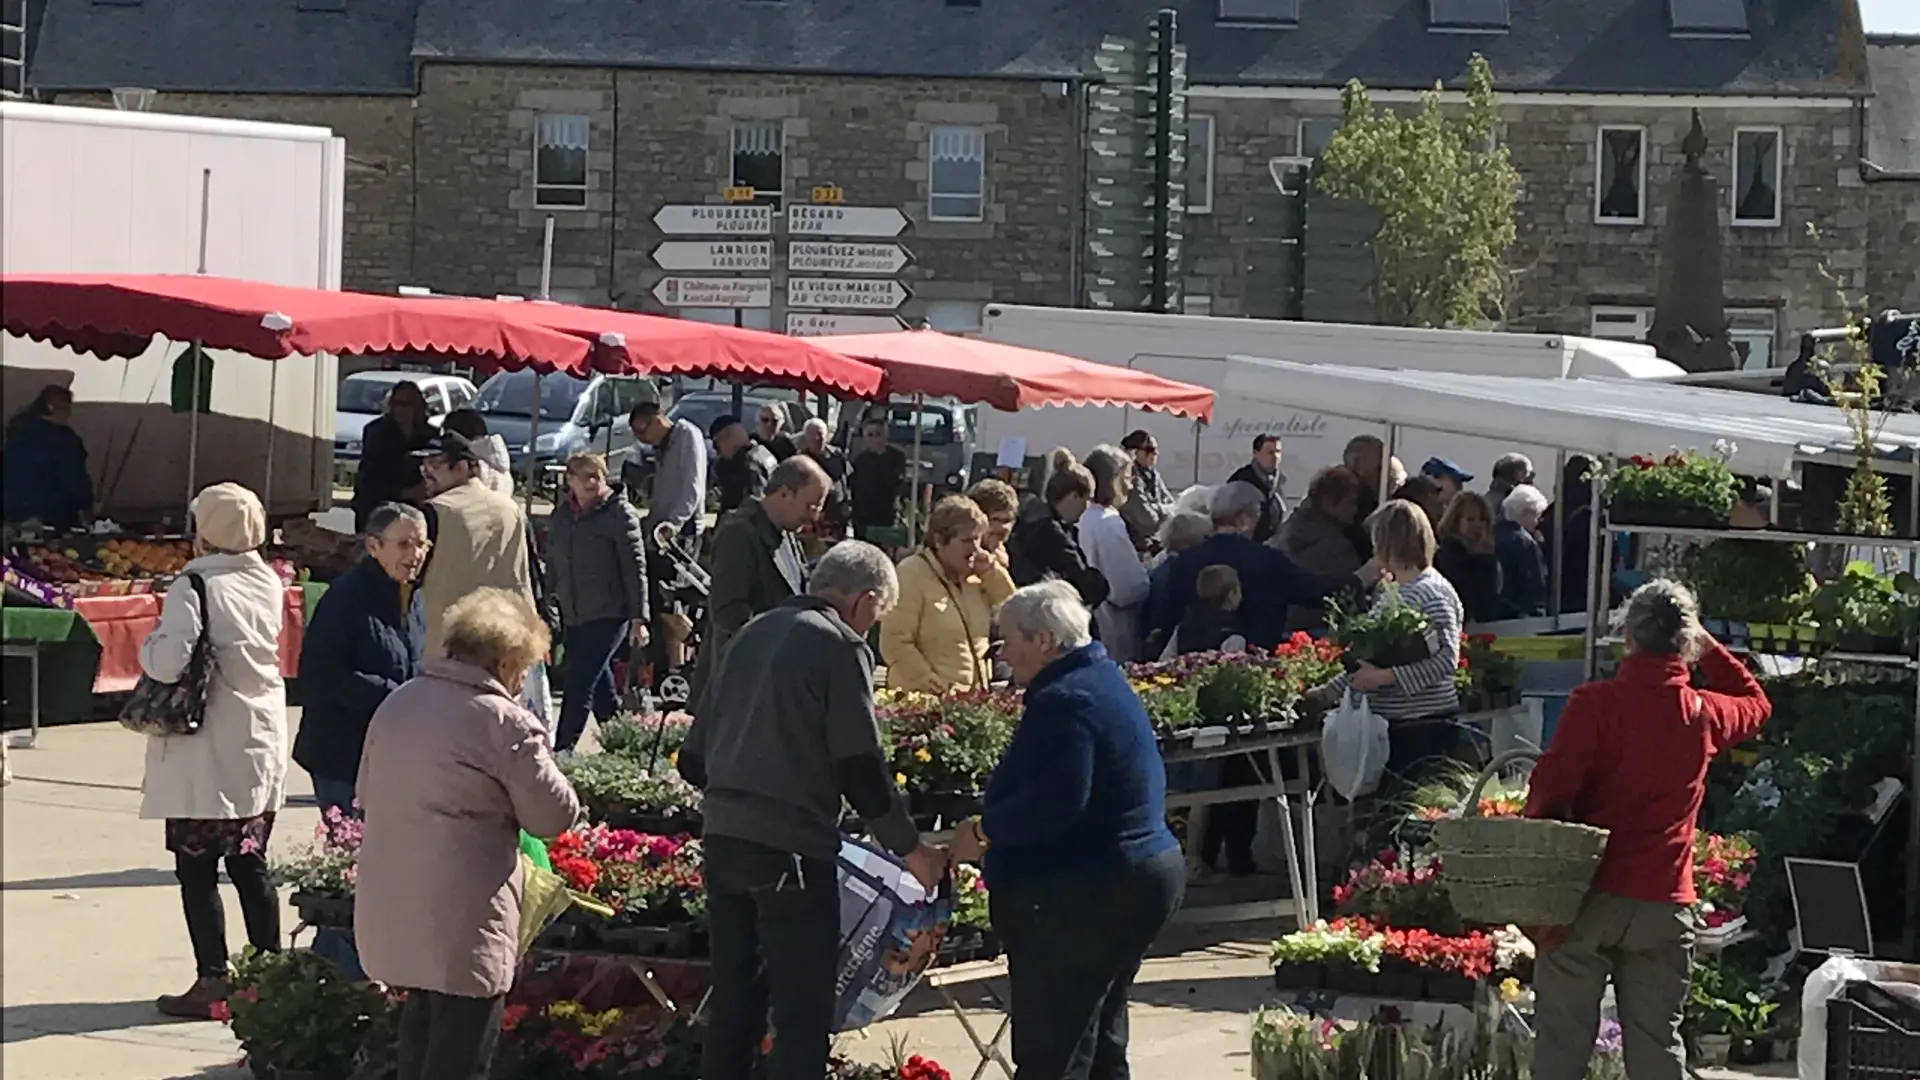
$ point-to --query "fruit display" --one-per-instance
(133, 557)
(85, 566)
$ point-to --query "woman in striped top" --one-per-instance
(1417, 700)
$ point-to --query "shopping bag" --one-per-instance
(890, 932)
(544, 897)
(1354, 747)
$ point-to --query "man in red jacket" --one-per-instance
(1630, 755)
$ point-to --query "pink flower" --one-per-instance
(249, 846)
(219, 1011)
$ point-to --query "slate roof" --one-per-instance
(1605, 46)
(1893, 114)
(231, 46)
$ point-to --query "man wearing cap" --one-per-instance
(479, 536)
(1451, 478)
(1263, 472)
(740, 465)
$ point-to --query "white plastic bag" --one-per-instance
(1828, 981)
(1354, 747)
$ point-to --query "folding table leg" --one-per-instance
(989, 1051)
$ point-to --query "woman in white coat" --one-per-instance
(218, 788)
(1109, 547)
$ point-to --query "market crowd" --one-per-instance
(428, 724)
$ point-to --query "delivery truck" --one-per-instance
(110, 191)
(1193, 349)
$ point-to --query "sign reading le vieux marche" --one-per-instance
(880, 294)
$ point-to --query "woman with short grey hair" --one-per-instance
(1630, 755)
(1523, 562)
(1085, 871)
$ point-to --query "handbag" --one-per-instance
(175, 708)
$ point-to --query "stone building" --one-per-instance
(1020, 141)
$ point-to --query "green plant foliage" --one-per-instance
(1682, 478)
(1377, 634)
(1751, 581)
(295, 1011)
(609, 782)
(1862, 600)
(1445, 190)
(1238, 693)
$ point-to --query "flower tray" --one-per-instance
(966, 944)
(1344, 978)
(323, 911)
(560, 935)
(654, 823)
(949, 806)
(1300, 977)
(674, 941)
(1450, 987)
(1400, 980)
(1670, 515)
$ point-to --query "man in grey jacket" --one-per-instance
(782, 733)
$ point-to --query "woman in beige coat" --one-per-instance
(454, 767)
(218, 788)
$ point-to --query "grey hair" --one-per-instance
(1052, 607)
(1112, 470)
(1524, 500)
(816, 425)
(852, 567)
(1184, 530)
(1513, 468)
(1662, 617)
(1235, 500)
(795, 473)
(386, 514)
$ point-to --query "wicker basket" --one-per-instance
(1524, 871)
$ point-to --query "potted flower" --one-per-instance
(1231, 694)
(1325, 948)
(566, 1040)
(1685, 488)
(1485, 677)
(1389, 634)
(1869, 613)
(618, 790)
(298, 1018)
(1395, 888)
(654, 885)
(322, 875)
(970, 934)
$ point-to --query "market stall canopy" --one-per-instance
(1012, 378)
(119, 315)
(1615, 417)
(633, 343)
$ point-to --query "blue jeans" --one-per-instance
(588, 679)
(329, 942)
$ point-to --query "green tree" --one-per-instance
(1445, 192)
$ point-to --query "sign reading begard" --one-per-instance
(705, 292)
(866, 293)
(804, 220)
(822, 323)
(839, 257)
(714, 255)
(704, 220)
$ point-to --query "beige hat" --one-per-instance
(228, 517)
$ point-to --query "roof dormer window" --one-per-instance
(1282, 13)
(1468, 16)
(1707, 18)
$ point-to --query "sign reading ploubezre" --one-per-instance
(706, 220)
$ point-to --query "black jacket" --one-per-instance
(743, 476)
(1042, 546)
(356, 652)
(1523, 571)
(387, 462)
(1273, 510)
(747, 581)
(1475, 575)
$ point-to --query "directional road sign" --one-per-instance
(868, 293)
(820, 324)
(706, 292)
(714, 255)
(881, 221)
(842, 257)
(708, 220)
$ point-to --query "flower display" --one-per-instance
(329, 866)
(565, 1039)
(1341, 941)
(1484, 675)
(970, 898)
(1678, 480)
(1216, 687)
(1722, 872)
(946, 743)
(643, 878)
(1397, 889)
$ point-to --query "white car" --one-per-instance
(363, 397)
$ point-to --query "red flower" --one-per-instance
(220, 1011)
(511, 1016)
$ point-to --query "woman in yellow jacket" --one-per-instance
(935, 640)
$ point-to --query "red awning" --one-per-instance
(1012, 378)
(632, 342)
(119, 315)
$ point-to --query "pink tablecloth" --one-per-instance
(122, 623)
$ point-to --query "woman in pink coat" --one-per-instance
(454, 767)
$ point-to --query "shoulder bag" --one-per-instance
(175, 708)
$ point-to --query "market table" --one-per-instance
(1302, 875)
(982, 973)
(95, 647)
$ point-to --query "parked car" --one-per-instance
(363, 396)
(949, 432)
(575, 414)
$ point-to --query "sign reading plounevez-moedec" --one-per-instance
(844, 257)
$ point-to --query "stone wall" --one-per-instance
(1893, 244)
(376, 250)
(662, 137)
(1243, 255)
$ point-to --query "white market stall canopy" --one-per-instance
(1614, 417)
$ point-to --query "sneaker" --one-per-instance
(198, 1002)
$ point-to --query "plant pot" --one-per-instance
(334, 912)
(1715, 1049)
(1346, 978)
(655, 823)
(1451, 987)
(1716, 627)
(1402, 653)
(1750, 1052)
(1889, 645)
(1299, 977)
(674, 941)
(1854, 641)
(1670, 515)
(1400, 981)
